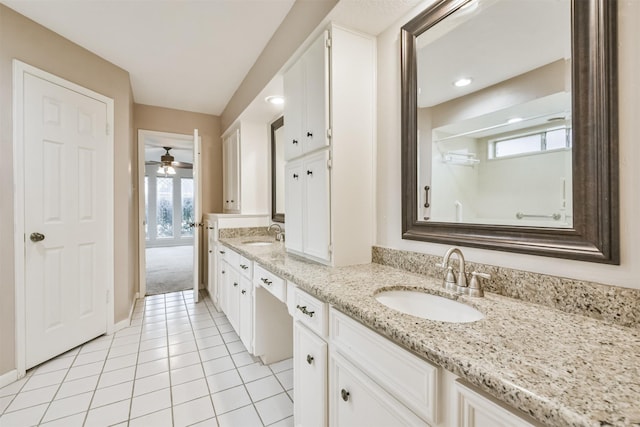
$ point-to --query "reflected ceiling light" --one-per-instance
(514, 120)
(275, 99)
(465, 81)
(167, 170)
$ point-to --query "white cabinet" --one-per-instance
(329, 116)
(307, 109)
(307, 203)
(236, 294)
(310, 359)
(355, 400)
(475, 410)
(246, 169)
(231, 172)
(310, 354)
(245, 315)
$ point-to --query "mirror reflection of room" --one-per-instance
(494, 119)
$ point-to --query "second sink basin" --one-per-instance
(427, 306)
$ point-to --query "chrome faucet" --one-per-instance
(279, 233)
(459, 285)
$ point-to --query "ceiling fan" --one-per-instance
(167, 163)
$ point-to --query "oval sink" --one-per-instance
(257, 243)
(429, 306)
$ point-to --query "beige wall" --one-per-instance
(177, 121)
(31, 43)
(388, 211)
(302, 19)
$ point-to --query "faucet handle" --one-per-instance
(450, 280)
(475, 287)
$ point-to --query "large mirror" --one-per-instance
(509, 132)
(277, 170)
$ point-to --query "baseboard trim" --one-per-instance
(8, 378)
(127, 322)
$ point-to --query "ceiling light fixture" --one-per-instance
(166, 170)
(275, 99)
(465, 81)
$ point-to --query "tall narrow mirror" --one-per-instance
(277, 170)
(509, 126)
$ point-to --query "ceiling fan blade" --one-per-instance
(183, 165)
(152, 162)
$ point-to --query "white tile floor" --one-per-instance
(179, 364)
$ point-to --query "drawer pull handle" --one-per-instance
(266, 281)
(235, 284)
(309, 359)
(304, 310)
(345, 395)
(244, 266)
(244, 292)
(222, 271)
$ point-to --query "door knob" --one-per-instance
(36, 237)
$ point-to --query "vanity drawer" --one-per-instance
(413, 381)
(232, 257)
(311, 312)
(245, 266)
(269, 281)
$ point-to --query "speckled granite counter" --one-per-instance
(562, 369)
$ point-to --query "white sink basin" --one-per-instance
(429, 306)
(257, 243)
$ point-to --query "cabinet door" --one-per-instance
(245, 330)
(223, 286)
(474, 410)
(293, 111)
(309, 378)
(316, 89)
(355, 400)
(293, 184)
(231, 172)
(233, 298)
(316, 209)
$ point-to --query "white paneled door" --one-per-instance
(65, 218)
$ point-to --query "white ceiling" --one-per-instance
(189, 55)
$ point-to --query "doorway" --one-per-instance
(167, 208)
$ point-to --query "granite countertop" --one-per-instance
(562, 369)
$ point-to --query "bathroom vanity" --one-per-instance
(356, 359)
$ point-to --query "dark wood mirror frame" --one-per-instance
(595, 233)
(275, 216)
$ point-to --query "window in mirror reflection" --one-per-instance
(497, 150)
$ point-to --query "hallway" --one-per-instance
(179, 363)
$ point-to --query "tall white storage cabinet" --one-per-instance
(329, 142)
(245, 169)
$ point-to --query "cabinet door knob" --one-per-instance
(222, 252)
(235, 284)
(295, 141)
(295, 176)
(309, 172)
(244, 292)
(309, 359)
(345, 395)
(310, 135)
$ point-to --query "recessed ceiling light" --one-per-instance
(275, 99)
(514, 120)
(465, 81)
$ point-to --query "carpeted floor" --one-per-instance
(169, 269)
